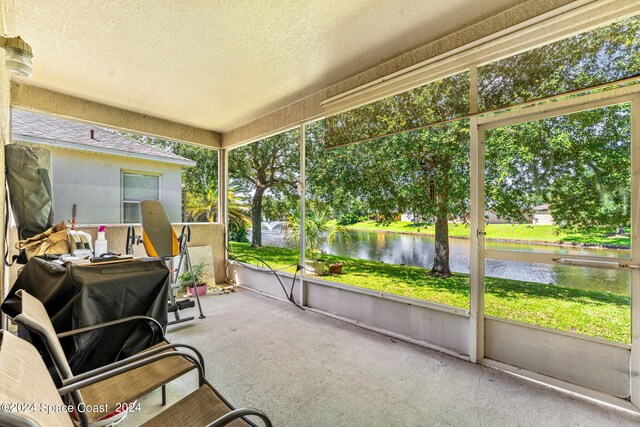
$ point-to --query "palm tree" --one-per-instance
(203, 207)
(315, 230)
(238, 212)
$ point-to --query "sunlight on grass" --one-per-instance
(598, 314)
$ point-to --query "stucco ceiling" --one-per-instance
(220, 64)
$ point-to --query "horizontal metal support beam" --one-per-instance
(57, 104)
(550, 258)
(589, 101)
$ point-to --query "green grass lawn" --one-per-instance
(523, 232)
(598, 314)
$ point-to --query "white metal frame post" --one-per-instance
(223, 196)
(5, 136)
(476, 325)
(635, 252)
(476, 282)
(302, 187)
(473, 89)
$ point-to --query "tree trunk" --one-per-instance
(441, 256)
(256, 218)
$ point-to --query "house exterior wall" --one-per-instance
(492, 218)
(543, 218)
(92, 181)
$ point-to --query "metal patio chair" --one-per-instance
(25, 382)
(114, 389)
(27, 391)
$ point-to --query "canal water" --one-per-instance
(394, 248)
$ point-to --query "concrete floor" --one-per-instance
(304, 369)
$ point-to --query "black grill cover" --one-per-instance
(76, 296)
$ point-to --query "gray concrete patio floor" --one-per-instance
(304, 369)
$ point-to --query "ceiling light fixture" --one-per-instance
(18, 56)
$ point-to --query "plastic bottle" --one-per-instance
(100, 245)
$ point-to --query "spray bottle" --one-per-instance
(100, 245)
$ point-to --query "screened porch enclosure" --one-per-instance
(537, 180)
(577, 335)
(476, 194)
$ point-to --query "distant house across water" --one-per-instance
(105, 174)
(541, 216)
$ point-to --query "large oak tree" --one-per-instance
(269, 165)
(577, 164)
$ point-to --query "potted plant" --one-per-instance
(336, 268)
(316, 232)
(196, 282)
(314, 262)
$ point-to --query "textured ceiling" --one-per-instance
(220, 64)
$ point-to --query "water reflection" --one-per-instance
(393, 248)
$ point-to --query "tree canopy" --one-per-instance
(270, 165)
(578, 164)
(588, 59)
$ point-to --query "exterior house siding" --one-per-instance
(92, 181)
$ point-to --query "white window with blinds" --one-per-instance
(136, 187)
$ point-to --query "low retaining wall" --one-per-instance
(431, 325)
(202, 234)
(589, 362)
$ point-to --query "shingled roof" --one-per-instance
(47, 130)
